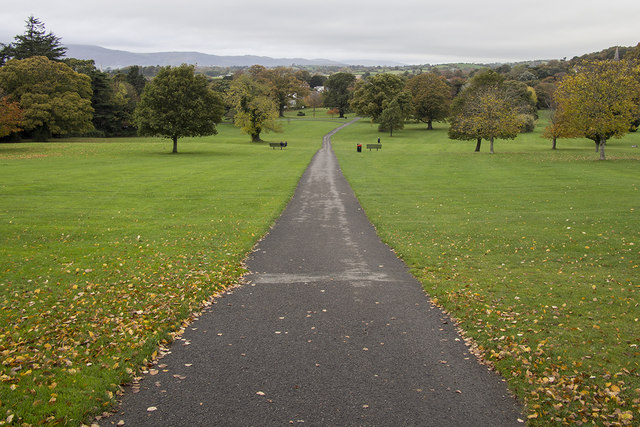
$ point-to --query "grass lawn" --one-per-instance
(108, 245)
(535, 253)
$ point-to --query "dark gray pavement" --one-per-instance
(331, 330)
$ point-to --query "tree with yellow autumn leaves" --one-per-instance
(599, 101)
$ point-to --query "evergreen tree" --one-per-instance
(34, 42)
(339, 91)
(103, 99)
(136, 78)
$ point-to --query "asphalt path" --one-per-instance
(329, 330)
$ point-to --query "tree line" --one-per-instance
(43, 94)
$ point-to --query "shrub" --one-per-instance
(528, 123)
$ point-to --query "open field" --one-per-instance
(108, 245)
(535, 253)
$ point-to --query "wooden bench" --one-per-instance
(376, 146)
(275, 145)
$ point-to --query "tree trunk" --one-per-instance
(478, 144)
(256, 137)
(553, 147)
(429, 125)
(603, 142)
(341, 113)
(597, 145)
(491, 145)
(175, 144)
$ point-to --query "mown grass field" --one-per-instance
(535, 253)
(107, 246)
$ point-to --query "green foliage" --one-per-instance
(527, 122)
(317, 80)
(633, 55)
(372, 96)
(599, 101)
(430, 98)
(125, 99)
(286, 87)
(54, 98)
(492, 115)
(34, 42)
(221, 86)
(544, 95)
(178, 103)
(254, 109)
(608, 54)
(486, 77)
(112, 114)
(523, 97)
(284, 84)
(136, 79)
(105, 116)
(553, 70)
(391, 118)
(488, 109)
(339, 90)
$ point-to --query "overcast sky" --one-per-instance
(406, 31)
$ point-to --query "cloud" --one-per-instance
(410, 31)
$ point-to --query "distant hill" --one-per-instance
(114, 59)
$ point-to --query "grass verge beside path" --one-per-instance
(107, 246)
(535, 252)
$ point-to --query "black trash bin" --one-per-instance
(359, 148)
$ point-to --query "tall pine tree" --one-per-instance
(34, 42)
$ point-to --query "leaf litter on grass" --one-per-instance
(63, 334)
(533, 253)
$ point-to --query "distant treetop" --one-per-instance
(34, 42)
